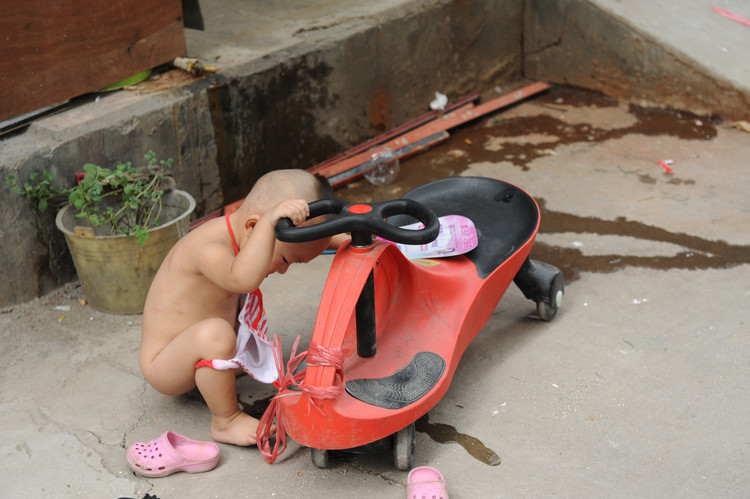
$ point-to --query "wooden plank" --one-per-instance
(464, 115)
(470, 99)
(432, 128)
(59, 49)
(396, 143)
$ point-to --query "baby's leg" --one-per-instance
(172, 372)
(228, 423)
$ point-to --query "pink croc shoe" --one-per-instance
(171, 453)
(426, 483)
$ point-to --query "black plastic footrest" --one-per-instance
(402, 388)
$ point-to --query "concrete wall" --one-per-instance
(340, 83)
(291, 109)
(649, 53)
(300, 108)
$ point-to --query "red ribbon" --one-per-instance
(317, 355)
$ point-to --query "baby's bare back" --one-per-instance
(180, 296)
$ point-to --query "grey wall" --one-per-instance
(291, 109)
(650, 53)
(352, 80)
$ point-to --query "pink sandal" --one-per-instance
(426, 483)
(170, 453)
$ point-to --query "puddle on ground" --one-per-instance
(557, 132)
(445, 433)
(439, 432)
(532, 137)
(536, 136)
(699, 254)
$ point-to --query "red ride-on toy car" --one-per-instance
(400, 326)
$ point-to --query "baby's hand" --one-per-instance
(295, 209)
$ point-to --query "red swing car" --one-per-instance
(404, 324)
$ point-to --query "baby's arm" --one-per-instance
(254, 260)
(245, 272)
(296, 209)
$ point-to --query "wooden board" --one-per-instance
(54, 50)
(424, 136)
(470, 99)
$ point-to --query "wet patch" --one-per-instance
(571, 96)
(439, 432)
(521, 139)
(699, 253)
(521, 153)
(445, 433)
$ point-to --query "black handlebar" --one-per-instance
(363, 221)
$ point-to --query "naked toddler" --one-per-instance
(191, 311)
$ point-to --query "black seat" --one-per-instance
(505, 216)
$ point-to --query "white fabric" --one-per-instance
(254, 350)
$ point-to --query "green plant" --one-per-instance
(38, 189)
(126, 199)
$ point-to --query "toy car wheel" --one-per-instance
(320, 458)
(547, 311)
(403, 448)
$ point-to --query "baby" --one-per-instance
(191, 310)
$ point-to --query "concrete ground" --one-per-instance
(636, 389)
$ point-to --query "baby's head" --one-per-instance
(277, 186)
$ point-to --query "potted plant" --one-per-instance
(119, 224)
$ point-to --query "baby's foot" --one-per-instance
(237, 429)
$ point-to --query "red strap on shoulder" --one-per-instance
(231, 234)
